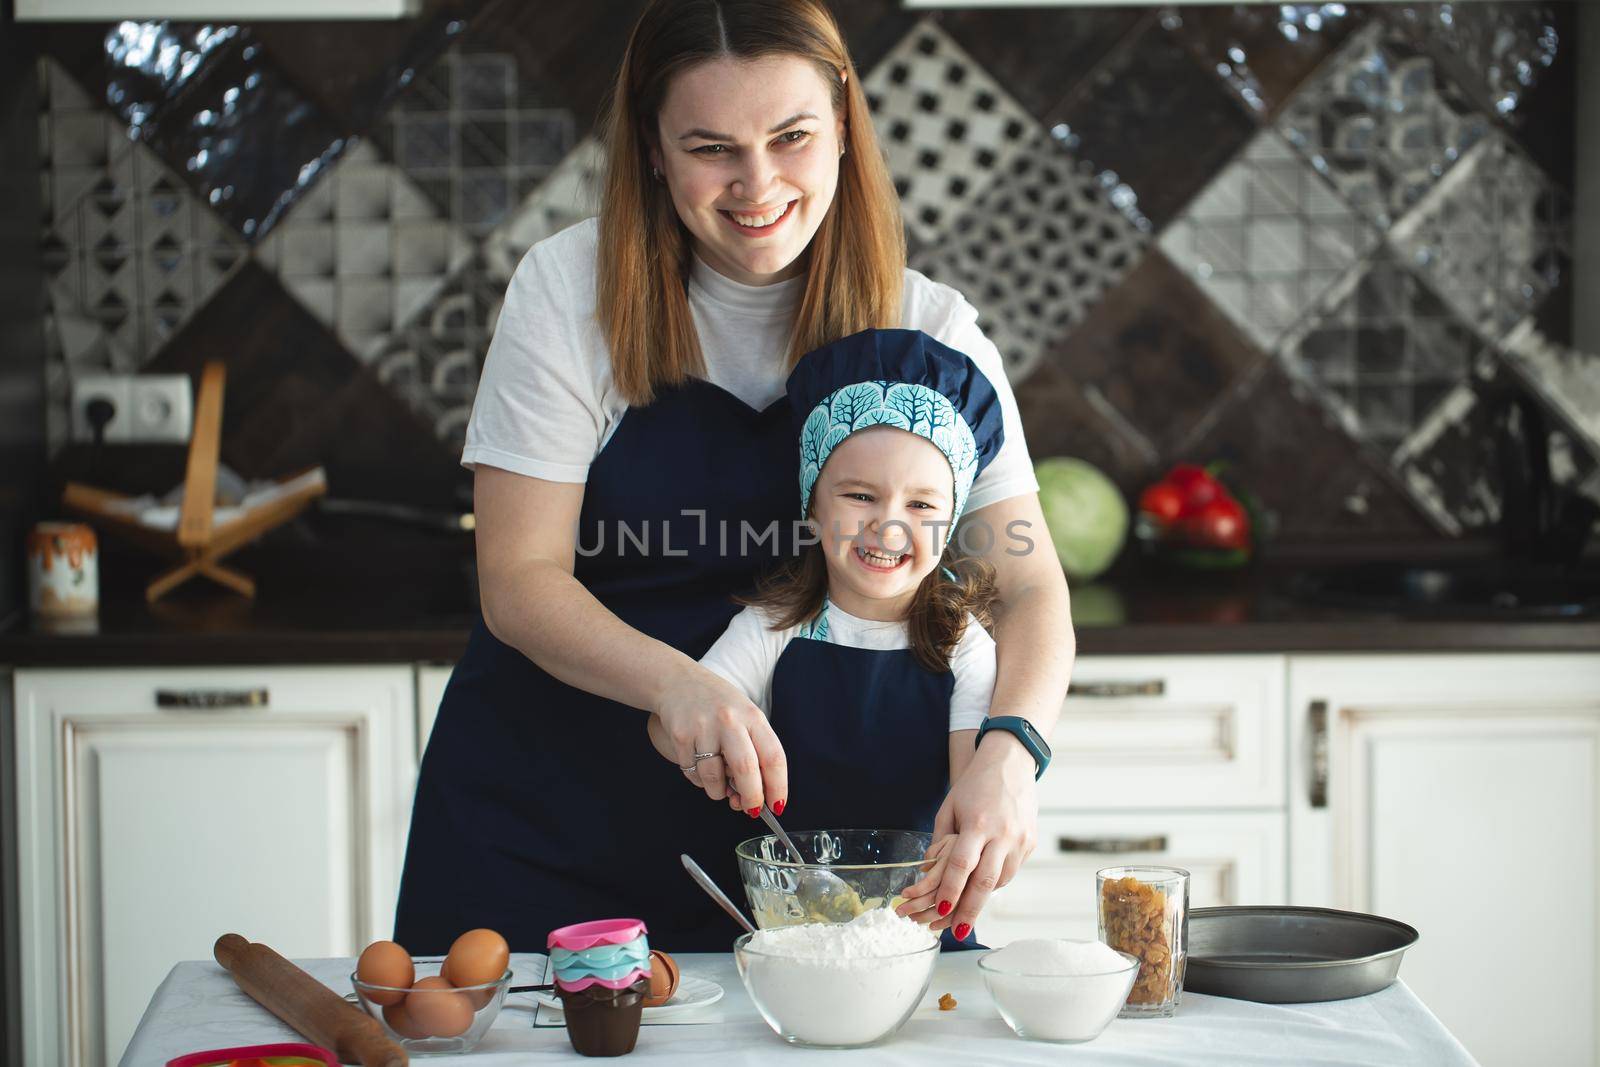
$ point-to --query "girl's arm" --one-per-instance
(526, 538)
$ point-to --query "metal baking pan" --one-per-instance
(1292, 955)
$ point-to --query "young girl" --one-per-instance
(873, 639)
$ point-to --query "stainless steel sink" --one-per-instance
(1491, 588)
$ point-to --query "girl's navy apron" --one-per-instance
(539, 804)
(866, 734)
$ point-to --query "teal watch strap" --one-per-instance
(1024, 732)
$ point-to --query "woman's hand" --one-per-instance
(699, 711)
(987, 825)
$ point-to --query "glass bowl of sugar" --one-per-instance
(1057, 989)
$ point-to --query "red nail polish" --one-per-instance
(944, 908)
(962, 930)
(753, 812)
(777, 807)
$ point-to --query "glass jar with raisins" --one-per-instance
(1144, 911)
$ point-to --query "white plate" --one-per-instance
(692, 993)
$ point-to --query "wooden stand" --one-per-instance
(197, 541)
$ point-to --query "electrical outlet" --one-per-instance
(145, 408)
(162, 409)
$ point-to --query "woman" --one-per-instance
(635, 469)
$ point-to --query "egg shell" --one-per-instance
(386, 963)
(664, 976)
(436, 1008)
(401, 1022)
(478, 957)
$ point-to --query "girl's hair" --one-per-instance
(857, 256)
(793, 594)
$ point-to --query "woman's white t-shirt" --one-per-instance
(747, 653)
(546, 404)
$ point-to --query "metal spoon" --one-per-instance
(703, 880)
(820, 891)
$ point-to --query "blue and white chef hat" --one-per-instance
(899, 378)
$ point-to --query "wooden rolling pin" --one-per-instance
(314, 1010)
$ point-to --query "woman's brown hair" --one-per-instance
(794, 594)
(857, 256)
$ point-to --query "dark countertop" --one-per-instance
(382, 596)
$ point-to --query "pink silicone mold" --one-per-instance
(580, 936)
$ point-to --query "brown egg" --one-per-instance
(664, 977)
(437, 1009)
(386, 963)
(477, 958)
(401, 1022)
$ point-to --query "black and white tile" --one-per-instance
(1494, 236)
(1267, 237)
(364, 250)
(126, 243)
(1381, 352)
(465, 135)
(946, 127)
(1382, 122)
(433, 362)
(1452, 464)
(1035, 251)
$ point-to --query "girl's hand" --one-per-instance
(987, 825)
(699, 711)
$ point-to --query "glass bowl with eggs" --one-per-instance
(434, 1004)
(845, 873)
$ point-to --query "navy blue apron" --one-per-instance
(539, 804)
(866, 735)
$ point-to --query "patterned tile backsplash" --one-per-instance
(1328, 244)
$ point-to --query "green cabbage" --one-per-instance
(1085, 512)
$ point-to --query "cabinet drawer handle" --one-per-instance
(211, 698)
(1113, 845)
(1153, 687)
(1319, 753)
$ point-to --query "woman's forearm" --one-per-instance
(545, 613)
(1034, 651)
(1035, 646)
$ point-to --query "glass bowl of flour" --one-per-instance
(838, 985)
(874, 867)
(1056, 989)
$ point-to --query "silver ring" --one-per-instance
(698, 756)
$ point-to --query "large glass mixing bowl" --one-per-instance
(874, 867)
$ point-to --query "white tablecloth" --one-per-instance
(198, 1006)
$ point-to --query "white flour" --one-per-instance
(840, 983)
(1057, 990)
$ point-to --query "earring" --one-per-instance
(656, 172)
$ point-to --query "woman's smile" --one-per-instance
(759, 225)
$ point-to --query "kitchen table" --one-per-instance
(198, 1006)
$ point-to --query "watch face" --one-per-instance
(1034, 733)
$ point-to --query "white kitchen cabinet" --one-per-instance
(1232, 858)
(1461, 794)
(1169, 732)
(160, 808)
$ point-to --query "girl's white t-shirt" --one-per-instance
(747, 653)
(546, 404)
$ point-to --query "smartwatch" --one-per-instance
(1023, 730)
